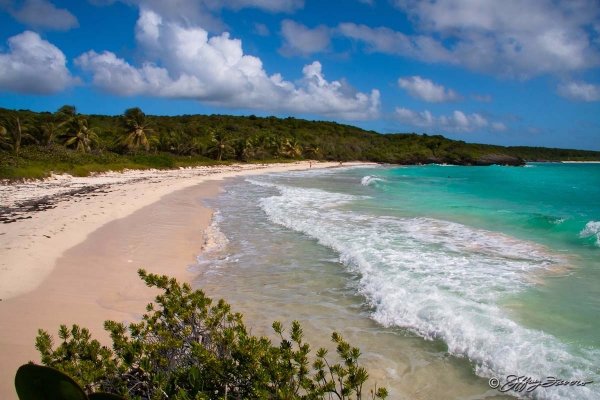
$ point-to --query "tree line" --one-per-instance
(134, 132)
(34, 136)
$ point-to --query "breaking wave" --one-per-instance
(443, 280)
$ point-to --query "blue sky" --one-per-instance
(504, 72)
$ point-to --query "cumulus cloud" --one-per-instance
(580, 91)
(458, 121)
(508, 38)
(385, 40)
(186, 62)
(33, 65)
(202, 12)
(427, 90)
(268, 5)
(299, 39)
(41, 14)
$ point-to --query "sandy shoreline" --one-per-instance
(76, 262)
(30, 246)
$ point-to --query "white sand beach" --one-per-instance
(70, 248)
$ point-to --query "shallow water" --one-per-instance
(444, 276)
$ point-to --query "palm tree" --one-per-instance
(313, 151)
(270, 144)
(180, 143)
(291, 148)
(49, 131)
(79, 135)
(5, 141)
(13, 131)
(220, 144)
(55, 125)
(169, 140)
(65, 113)
(246, 148)
(138, 129)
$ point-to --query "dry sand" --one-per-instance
(77, 262)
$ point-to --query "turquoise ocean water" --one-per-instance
(445, 276)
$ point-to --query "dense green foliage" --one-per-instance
(29, 141)
(186, 347)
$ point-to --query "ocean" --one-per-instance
(444, 276)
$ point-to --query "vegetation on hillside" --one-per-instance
(187, 347)
(33, 144)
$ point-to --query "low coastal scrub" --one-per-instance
(187, 347)
(38, 162)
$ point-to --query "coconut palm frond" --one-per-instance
(79, 135)
(139, 130)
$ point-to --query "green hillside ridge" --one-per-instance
(33, 145)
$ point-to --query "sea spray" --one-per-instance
(442, 280)
(369, 179)
(592, 229)
(492, 261)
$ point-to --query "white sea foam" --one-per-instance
(369, 179)
(592, 228)
(442, 280)
(214, 239)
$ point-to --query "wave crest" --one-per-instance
(591, 229)
(442, 280)
(369, 179)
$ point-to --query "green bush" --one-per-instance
(186, 347)
(155, 161)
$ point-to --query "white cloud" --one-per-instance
(423, 119)
(268, 5)
(42, 14)
(33, 65)
(498, 126)
(511, 38)
(185, 62)
(580, 91)
(203, 12)
(299, 39)
(385, 40)
(427, 90)
(458, 121)
(117, 76)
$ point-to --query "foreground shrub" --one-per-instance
(186, 347)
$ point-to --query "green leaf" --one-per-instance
(35, 382)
